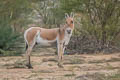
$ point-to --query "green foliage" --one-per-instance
(11, 17)
(13, 8)
(16, 11)
(7, 36)
(99, 18)
(71, 5)
(50, 12)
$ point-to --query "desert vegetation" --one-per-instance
(93, 50)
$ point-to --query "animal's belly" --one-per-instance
(44, 42)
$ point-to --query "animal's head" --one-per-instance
(69, 23)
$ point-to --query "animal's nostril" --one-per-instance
(69, 31)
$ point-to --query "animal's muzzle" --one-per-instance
(69, 31)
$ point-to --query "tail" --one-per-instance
(26, 46)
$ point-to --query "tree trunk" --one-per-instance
(103, 39)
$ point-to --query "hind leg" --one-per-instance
(28, 52)
(28, 57)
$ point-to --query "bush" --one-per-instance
(7, 36)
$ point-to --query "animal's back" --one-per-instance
(49, 34)
(45, 34)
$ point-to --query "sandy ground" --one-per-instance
(76, 67)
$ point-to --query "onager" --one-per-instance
(42, 36)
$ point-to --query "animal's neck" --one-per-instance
(61, 29)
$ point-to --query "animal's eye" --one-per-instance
(72, 22)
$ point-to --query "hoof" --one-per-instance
(29, 66)
(60, 65)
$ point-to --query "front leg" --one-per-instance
(60, 54)
(64, 48)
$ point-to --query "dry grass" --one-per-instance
(76, 67)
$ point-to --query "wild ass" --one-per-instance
(44, 36)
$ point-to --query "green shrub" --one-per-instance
(7, 36)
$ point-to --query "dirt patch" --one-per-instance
(76, 67)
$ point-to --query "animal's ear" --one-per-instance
(66, 15)
(72, 14)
